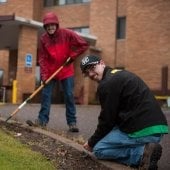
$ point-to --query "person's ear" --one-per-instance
(102, 62)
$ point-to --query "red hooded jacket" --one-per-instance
(56, 49)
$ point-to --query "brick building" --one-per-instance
(132, 34)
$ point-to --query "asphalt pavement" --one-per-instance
(86, 120)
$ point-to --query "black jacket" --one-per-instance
(126, 102)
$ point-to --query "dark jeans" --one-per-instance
(68, 85)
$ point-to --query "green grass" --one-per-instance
(16, 156)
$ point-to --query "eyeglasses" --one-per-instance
(90, 68)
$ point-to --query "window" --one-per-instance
(49, 3)
(3, 1)
(84, 30)
(1, 76)
(64, 2)
(37, 76)
(121, 27)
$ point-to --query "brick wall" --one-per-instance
(37, 10)
(148, 39)
(26, 77)
(120, 46)
(71, 15)
(18, 7)
(103, 26)
(144, 51)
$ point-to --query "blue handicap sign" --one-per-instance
(28, 60)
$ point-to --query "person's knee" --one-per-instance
(98, 153)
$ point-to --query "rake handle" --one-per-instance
(38, 89)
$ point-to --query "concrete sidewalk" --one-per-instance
(87, 121)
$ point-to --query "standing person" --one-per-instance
(56, 46)
(131, 124)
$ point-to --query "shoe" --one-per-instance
(152, 154)
(36, 124)
(73, 128)
(30, 123)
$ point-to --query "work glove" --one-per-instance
(43, 82)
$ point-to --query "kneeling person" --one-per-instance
(131, 123)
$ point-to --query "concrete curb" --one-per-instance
(79, 147)
(71, 143)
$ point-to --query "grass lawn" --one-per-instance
(16, 156)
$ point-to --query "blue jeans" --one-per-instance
(118, 146)
(68, 85)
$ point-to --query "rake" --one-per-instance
(38, 89)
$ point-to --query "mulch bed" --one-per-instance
(63, 156)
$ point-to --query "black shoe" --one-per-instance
(151, 156)
(73, 128)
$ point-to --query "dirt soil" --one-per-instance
(63, 156)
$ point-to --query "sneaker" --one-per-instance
(36, 124)
(152, 154)
(73, 128)
(30, 123)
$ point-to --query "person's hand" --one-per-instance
(69, 61)
(43, 82)
(87, 147)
